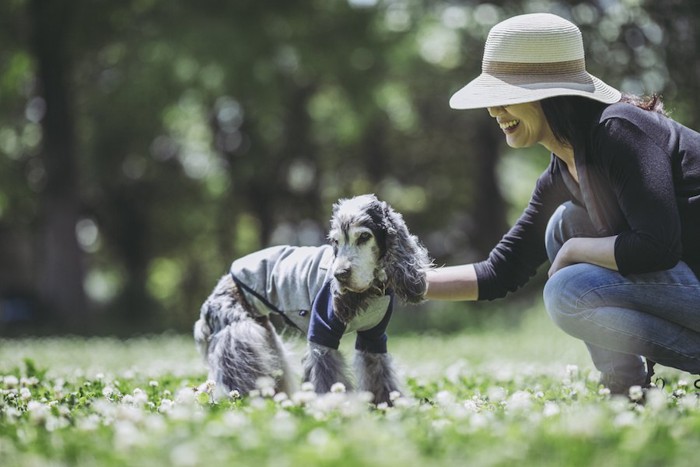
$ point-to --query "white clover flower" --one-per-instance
(284, 427)
(394, 396)
(471, 405)
(140, 397)
(496, 394)
(128, 399)
(636, 393)
(235, 421)
(54, 423)
(264, 382)
(550, 409)
(445, 398)
(405, 402)
(679, 393)
(572, 371)
(12, 413)
(307, 386)
(11, 381)
(479, 420)
(520, 401)
(287, 403)
(154, 423)
(184, 455)
(329, 402)
(89, 423)
(153, 383)
(37, 411)
(303, 397)
(440, 424)
(108, 391)
(455, 371)
(185, 396)
(126, 435)
(603, 392)
(208, 386)
(280, 397)
(318, 437)
(234, 394)
(338, 388)
(383, 406)
(656, 399)
(688, 403)
(30, 381)
(625, 419)
(25, 394)
(682, 383)
(130, 413)
(166, 405)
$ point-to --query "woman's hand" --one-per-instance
(598, 251)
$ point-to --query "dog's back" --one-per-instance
(284, 279)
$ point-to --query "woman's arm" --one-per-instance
(598, 251)
(452, 283)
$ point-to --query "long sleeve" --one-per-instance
(515, 259)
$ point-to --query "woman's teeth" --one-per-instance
(507, 125)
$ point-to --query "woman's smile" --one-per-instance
(508, 126)
(524, 125)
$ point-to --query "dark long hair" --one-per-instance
(570, 117)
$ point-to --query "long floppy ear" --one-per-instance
(405, 260)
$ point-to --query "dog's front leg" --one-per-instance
(375, 373)
(324, 367)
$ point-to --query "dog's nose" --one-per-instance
(342, 275)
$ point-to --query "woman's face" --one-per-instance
(523, 124)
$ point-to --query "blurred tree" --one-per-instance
(62, 267)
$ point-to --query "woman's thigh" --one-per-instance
(673, 295)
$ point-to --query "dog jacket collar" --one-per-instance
(327, 330)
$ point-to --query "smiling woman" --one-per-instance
(523, 124)
(617, 212)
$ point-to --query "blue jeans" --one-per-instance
(654, 315)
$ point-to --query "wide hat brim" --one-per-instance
(491, 90)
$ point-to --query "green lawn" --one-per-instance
(525, 396)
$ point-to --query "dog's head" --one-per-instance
(374, 250)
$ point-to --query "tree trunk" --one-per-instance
(61, 269)
(490, 207)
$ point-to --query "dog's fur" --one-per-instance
(373, 252)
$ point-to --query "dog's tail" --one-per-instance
(245, 351)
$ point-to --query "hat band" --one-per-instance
(548, 68)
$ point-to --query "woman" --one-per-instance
(617, 212)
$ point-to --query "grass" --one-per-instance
(526, 396)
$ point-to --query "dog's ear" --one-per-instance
(405, 260)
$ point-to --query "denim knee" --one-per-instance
(564, 292)
(568, 221)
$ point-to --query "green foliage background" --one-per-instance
(144, 144)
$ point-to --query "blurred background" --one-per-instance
(145, 144)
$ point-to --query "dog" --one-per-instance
(327, 291)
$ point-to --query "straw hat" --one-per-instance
(532, 57)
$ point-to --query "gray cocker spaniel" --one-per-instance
(326, 291)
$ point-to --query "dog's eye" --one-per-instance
(363, 238)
